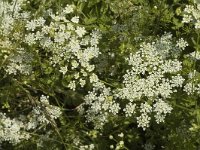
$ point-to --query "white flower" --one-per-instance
(192, 14)
(74, 64)
(72, 85)
(181, 43)
(114, 108)
(186, 18)
(143, 121)
(129, 109)
(111, 137)
(20, 62)
(59, 37)
(111, 146)
(189, 88)
(121, 143)
(30, 39)
(147, 78)
(40, 22)
(44, 99)
(94, 78)
(121, 135)
(68, 9)
(195, 55)
(161, 108)
(63, 70)
(145, 108)
(77, 75)
(91, 146)
(80, 31)
(11, 130)
(31, 25)
(197, 24)
(82, 82)
(75, 19)
(177, 81)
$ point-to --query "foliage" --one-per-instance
(99, 74)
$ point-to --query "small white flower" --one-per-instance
(74, 64)
(63, 70)
(82, 82)
(121, 135)
(111, 146)
(161, 108)
(181, 44)
(80, 31)
(129, 109)
(30, 39)
(75, 19)
(31, 25)
(72, 85)
(68, 9)
(143, 121)
(114, 108)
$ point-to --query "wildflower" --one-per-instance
(75, 19)
(80, 31)
(68, 9)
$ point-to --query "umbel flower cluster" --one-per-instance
(18, 129)
(192, 15)
(66, 41)
(65, 45)
(16, 57)
(60, 50)
(57, 39)
(147, 85)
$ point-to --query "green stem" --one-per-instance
(182, 107)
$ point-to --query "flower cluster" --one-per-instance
(193, 84)
(194, 55)
(18, 129)
(147, 75)
(20, 62)
(70, 47)
(43, 114)
(161, 109)
(61, 41)
(101, 105)
(87, 147)
(143, 120)
(147, 80)
(9, 14)
(12, 130)
(16, 57)
(192, 15)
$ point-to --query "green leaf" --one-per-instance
(93, 2)
(90, 20)
(198, 116)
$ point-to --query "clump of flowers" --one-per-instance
(20, 128)
(43, 114)
(193, 84)
(61, 42)
(107, 64)
(101, 104)
(192, 15)
(69, 46)
(12, 130)
(148, 80)
(20, 62)
(153, 78)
